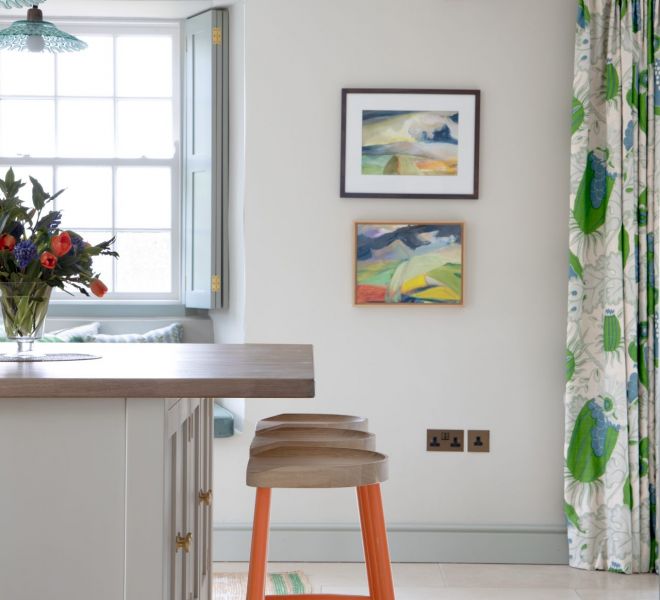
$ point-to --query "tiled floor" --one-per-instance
(475, 582)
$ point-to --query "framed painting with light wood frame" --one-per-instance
(418, 143)
(414, 263)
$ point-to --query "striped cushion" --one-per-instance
(170, 334)
(73, 334)
(123, 338)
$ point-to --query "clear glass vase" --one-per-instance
(24, 306)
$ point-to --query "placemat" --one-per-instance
(46, 357)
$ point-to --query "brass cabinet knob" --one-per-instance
(183, 542)
(206, 497)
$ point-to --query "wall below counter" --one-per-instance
(498, 362)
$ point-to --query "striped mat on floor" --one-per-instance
(233, 586)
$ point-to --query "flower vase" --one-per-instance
(24, 307)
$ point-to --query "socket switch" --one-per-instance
(445, 440)
(478, 440)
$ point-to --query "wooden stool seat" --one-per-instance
(315, 467)
(315, 420)
(284, 435)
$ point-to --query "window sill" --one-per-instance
(119, 308)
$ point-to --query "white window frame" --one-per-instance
(126, 27)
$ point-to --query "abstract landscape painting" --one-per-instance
(399, 263)
(400, 142)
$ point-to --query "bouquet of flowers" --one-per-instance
(36, 255)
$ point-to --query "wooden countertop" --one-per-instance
(164, 371)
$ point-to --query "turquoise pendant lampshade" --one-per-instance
(36, 35)
(19, 3)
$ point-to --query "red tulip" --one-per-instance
(7, 242)
(61, 244)
(98, 287)
(48, 260)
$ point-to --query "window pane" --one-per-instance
(144, 197)
(144, 128)
(87, 73)
(27, 128)
(85, 128)
(144, 65)
(44, 175)
(87, 201)
(27, 73)
(145, 263)
(102, 265)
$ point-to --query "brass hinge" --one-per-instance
(206, 497)
(182, 542)
(217, 36)
(215, 284)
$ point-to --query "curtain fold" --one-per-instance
(611, 440)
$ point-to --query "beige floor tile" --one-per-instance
(474, 582)
(543, 576)
(351, 574)
(618, 594)
(435, 593)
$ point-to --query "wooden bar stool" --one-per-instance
(322, 467)
(285, 435)
(315, 420)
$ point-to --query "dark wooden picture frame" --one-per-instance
(469, 185)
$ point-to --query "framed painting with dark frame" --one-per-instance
(413, 263)
(398, 143)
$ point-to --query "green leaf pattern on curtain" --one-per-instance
(611, 443)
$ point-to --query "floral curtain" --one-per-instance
(611, 357)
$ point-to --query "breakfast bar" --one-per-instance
(105, 464)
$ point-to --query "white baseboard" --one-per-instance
(408, 543)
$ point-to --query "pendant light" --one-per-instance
(19, 3)
(36, 35)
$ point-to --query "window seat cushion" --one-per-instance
(170, 334)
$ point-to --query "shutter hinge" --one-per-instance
(215, 284)
(217, 36)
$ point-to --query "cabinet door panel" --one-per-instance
(177, 449)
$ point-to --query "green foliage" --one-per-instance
(593, 194)
(643, 456)
(582, 462)
(627, 493)
(624, 245)
(642, 366)
(633, 93)
(642, 207)
(572, 516)
(576, 265)
(570, 365)
(611, 82)
(584, 16)
(578, 115)
(611, 333)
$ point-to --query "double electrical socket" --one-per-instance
(452, 440)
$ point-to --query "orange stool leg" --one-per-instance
(378, 538)
(369, 553)
(259, 551)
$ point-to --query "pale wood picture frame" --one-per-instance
(416, 263)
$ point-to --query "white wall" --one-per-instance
(498, 362)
